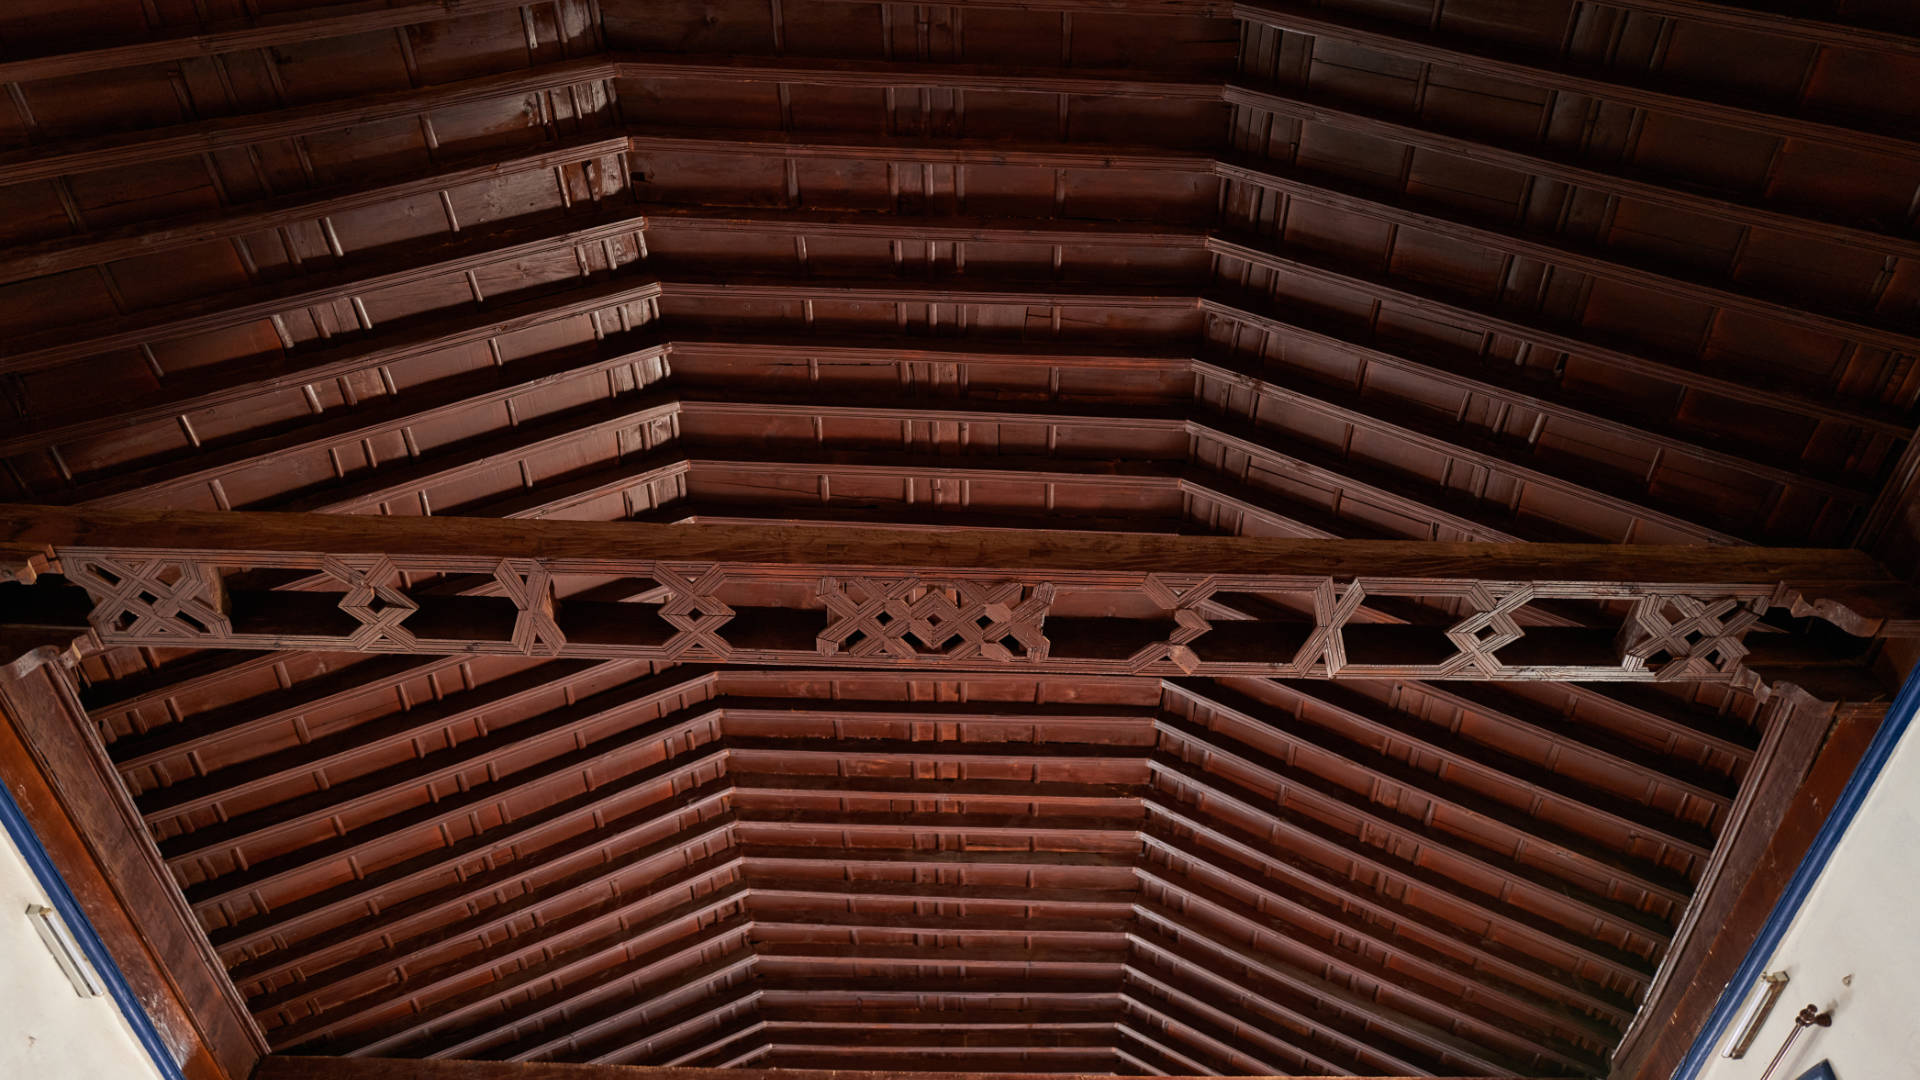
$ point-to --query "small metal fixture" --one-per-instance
(66, 951)
(1811, 1016)
(1759, 1007)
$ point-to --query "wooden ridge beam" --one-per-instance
(1395, 39)
(313, 23)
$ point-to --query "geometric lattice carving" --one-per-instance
(909, 617)
(1699, 638)
(1489, 628)
(374, 598)
(1189, 608)
(157, 600)
(694, 610)
(891, 603)
(529, 585)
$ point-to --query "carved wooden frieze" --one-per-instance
(1168, 607)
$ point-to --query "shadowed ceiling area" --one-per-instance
(1634, 271)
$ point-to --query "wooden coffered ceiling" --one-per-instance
(1622, 272)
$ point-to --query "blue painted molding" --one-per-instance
(83, 932)
(1899, 716)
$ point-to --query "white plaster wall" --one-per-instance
(48, 1032)
(1854, 947)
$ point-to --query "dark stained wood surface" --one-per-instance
(1173, 279)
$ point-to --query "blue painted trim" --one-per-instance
(83, 932)
(1822, 1071)
(1899, 716)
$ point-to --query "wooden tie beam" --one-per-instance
(963, 600)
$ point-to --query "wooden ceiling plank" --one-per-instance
(1798, 27)
(882, 74)
(1507, 387)
(369, 419)
(1540, 162)
(1355, 118)
(133, 487)
(239, 886)
(1202, 422)
(1542, 783)
(1393, 38)
(341, 748)
(337, 994)
(418, 923)
(1352, 1019)
(201, 391)
(1563, 1006)
(317, 950)
(341, 800)
(312, 23)
(694, 1018)
(1228, 1018)
(720, 943)
(1521, 831)
(93, 153)
(204, 730)
(1551, 980)
(109, 244)
(229, 384)
(1860, 326)
(1619, 918)
(1804, 28)
(836, 145)
(1709, 787)
(420, 260)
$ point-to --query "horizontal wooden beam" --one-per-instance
(1395, 39)
(599, 546)
(310, 24)
(95, 152)
(61, 254)
(1798, 27)
(159, 578)
(285, 1067)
